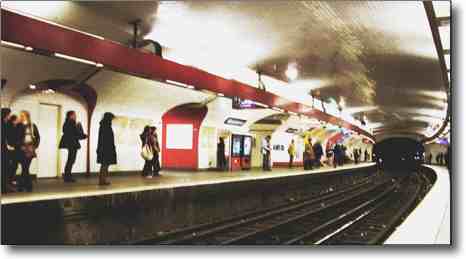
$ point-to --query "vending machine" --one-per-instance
(236, 151)
(241, 147)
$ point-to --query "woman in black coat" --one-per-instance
(106, 152)
(72, 133)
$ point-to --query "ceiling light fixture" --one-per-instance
(32, 87)
(85, 61)
(292, 72)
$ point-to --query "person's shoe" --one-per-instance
(149, 177)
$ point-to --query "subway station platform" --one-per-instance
(429, 223)
(51, 189)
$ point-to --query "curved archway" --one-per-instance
(180, 136)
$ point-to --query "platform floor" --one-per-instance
(429, 223)
(49, 189)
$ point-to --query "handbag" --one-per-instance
(146, 152)
(81, 134)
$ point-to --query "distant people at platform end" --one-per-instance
(429, 159)
(308, 155)
(72, 133)
(150, 152)
(266, 151)
(106, 151)
(221, 159)
(338, 154)
(28, 141)
(291, 153)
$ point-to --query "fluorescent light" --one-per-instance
(28, 48)
(32, 87)
(99, 65)
(190, 87)
(220, 94)
(85, 61)
(176, 83)
(14, 45)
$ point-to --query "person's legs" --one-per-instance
(264, 162)
(156, 165)
(146, 168)
(26, 181)
(290, 164)
(6, 167)
(69, 165)
(103, 175)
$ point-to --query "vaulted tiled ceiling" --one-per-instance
(378, 55)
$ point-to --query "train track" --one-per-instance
(363, 213)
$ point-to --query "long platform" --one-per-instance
(51, 189)
(429, 223)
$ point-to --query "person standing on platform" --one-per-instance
(291, 153)
(106, 151)
(28, 142)
(356, 156)
(335, 152)
(266, 151)
(308, 155)
(366, 156)
(318, 152)
(6, 150)
(429, 158)
(72, 133)
(221, 159)
(155, 160)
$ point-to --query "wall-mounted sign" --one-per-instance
(179, 136)
(235, 121)
(292, 130)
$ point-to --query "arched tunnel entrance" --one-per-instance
(399, 153)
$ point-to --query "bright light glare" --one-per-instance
(32, 87)
(291, 72)
(441, 8)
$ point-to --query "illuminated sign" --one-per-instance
(235, 121)
(240, 104)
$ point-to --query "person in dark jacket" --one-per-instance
(6, 162)
(318, 152)
(106, 151)
(28, 142)
(72, 134)
(221, 159)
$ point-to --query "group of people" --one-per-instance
(440, 159)
(21, 138)
(312, 154)
(357, 153)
